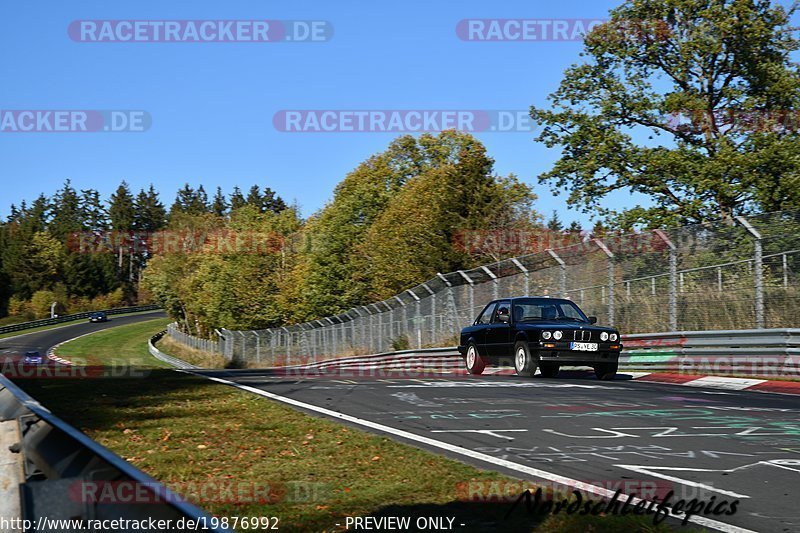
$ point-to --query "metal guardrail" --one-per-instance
(161, 356)
(752, 352)
(59, 461)
(77, 316)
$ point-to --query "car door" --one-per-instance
(481, 325)
(498, 333)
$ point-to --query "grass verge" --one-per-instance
(191, 434)
(199, 358)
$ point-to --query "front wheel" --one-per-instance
(606, 371)
(524, 363)
(475, 363)
(549, 370)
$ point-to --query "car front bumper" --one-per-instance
(561, 353)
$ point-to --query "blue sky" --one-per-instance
(212, 103)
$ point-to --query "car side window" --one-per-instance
(486, 316)
(502, 307)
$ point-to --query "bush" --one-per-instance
(401, 343)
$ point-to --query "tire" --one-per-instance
(606, 371)
(524, 363)
(473, 360)
(549, 370)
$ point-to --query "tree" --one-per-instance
(66, 213)
(574, 227)
(122, 210)
(237, 199)
(414, 237)
(555, 224)
(219, 206)
(272, 202)
(149, 212)
(93, 212)
(255, 199)
(684, 101)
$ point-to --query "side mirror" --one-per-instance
(592, 320)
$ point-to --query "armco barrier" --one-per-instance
(77, 316)
(768, 353)
(158, 354)
(59, 461)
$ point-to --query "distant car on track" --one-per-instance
(98, 317)
(544, 333)
(32, 358)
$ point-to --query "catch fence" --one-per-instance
(721, 276)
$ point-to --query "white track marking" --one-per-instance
(524, 469)
(492, 432)
(717, 382)
(655, 471)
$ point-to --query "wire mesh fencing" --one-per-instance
(737, 275)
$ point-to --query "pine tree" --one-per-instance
(66, 212)
(183, 200)
(219, 206)
(255, 199)
(93, 212)
(555, 224)
(272, 202)
(122, 209)
(237, 199)
(150, 214)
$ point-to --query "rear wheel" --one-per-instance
(475, 363)
(549, 370)
(606, 371)
(524, 363)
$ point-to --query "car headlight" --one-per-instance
(557, 335)
(604, 336)
(613, 337)
(546, 335)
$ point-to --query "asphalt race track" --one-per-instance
(13, 348)
(644, 438)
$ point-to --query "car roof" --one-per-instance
(531, 298)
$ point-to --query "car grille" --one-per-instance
(582, 335)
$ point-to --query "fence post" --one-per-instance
(449, 304)
(244, 346)
(495, 282)
(785, 273)
(758, 270)
(433, 311)
(673, 279)
(258, 346)
(471, 293)
(389, 314)
(611, 280)
(402, 330)
(417, 318)
(525, 273)
(563, 274)
(288, 345)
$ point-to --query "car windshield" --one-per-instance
(535, 309)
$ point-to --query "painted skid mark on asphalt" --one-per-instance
(413, 399)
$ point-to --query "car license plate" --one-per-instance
(583, 346)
